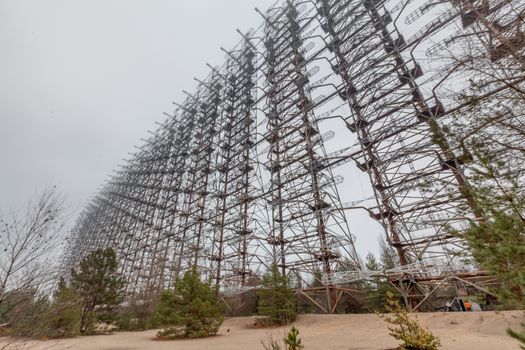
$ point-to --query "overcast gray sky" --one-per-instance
(82, 80)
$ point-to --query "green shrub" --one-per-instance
(127, 321)
(271, 344)
(27, 317)
(376, 292)
(90, 321)
(31, 316)
(64, 312)
(191, 310)
(138, 316)
(412, 335)
(276, 298)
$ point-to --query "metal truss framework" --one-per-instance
(248, 171)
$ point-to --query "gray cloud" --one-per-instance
(82, 81)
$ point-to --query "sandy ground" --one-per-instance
(472, 331)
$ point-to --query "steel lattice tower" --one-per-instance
(250, 169)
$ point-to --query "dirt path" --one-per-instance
(457, 331)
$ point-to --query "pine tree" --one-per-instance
(97, 284)
(191, 310)
(497, 242)
(499, 247)
(377, 287)
(276, 298)
(407, 330)
(292, 340)
(371, 263)
(388, 257)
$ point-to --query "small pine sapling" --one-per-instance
(292, 340)
(407, 330)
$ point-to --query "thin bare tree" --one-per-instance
(31, 240)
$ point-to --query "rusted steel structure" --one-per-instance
(249, 170)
